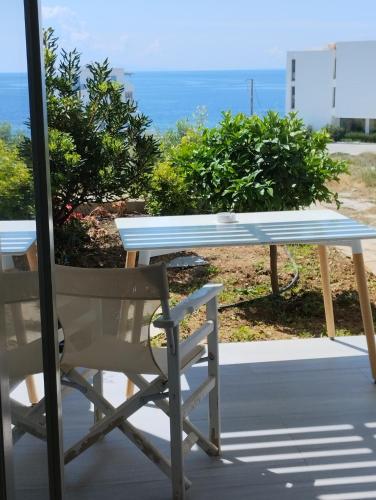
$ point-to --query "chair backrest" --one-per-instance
(106, 315)
(20, 329)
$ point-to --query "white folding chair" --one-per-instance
(106, 315)
(21, 345)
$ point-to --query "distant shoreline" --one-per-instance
(132, 71)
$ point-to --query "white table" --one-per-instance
(320, 227)
(19, 238)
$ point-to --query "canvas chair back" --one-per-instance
(106, 315)
(20, 328)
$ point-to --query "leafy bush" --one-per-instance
(16, 198)
(8, 135)
(335, 132)
(254, 164)
(360, 137)
(173, 136)
(168, 192)
(99, 146)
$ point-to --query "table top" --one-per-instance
(257, 228)
(16, 237)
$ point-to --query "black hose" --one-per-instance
(282, 290)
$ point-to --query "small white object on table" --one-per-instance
(321, 227)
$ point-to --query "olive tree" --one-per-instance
(99, 145)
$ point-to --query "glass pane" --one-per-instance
(20, 332)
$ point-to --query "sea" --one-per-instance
(168, 96)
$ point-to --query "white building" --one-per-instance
(335, 85)
(117, 75)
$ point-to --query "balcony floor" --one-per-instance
(298, 422)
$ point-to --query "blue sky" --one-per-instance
(194, 34)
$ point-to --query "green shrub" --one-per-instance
(255, 164)
(10, 136)
(99, 146)
(184, 127)
(360, 137)
(335, 132)
(168, 192)
(16, 194)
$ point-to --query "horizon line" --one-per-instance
(169, 70)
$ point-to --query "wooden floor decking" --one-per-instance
(298, 422)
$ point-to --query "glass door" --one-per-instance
(30, 428)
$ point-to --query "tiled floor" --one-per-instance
(298, 419)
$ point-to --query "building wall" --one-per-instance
(313, 86)
(350, 68)
(356, 80)
(117, 75)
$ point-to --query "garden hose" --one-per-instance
(282, 290)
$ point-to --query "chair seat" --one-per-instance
(160, 356)
(110, 354)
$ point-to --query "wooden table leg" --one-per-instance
(32, 259)
(131, 259)
(327, 294)
(365, 307)
(130, 262)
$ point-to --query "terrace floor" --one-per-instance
(298, 421)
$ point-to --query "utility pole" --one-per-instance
(251, 91)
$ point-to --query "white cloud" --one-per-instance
(153, 48)
(66, 22)
(275, 51)
(73, 32)
(56, 12)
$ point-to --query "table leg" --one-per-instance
(32, 259)
(130, 262)
(365, 307)
(327, 294)
(131, 259)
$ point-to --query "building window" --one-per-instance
(293, 97)
(335, 69)
(353, 124)
(334, 97)
(293, 69)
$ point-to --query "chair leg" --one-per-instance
(134, 435)
(188, 427)
(176, 420)
(130, 263)
(213, 371)
(98, 387)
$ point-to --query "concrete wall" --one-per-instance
(117, 74)
(355, 83)
(313, 86)
(356, 80)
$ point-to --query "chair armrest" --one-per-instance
(189, 305)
